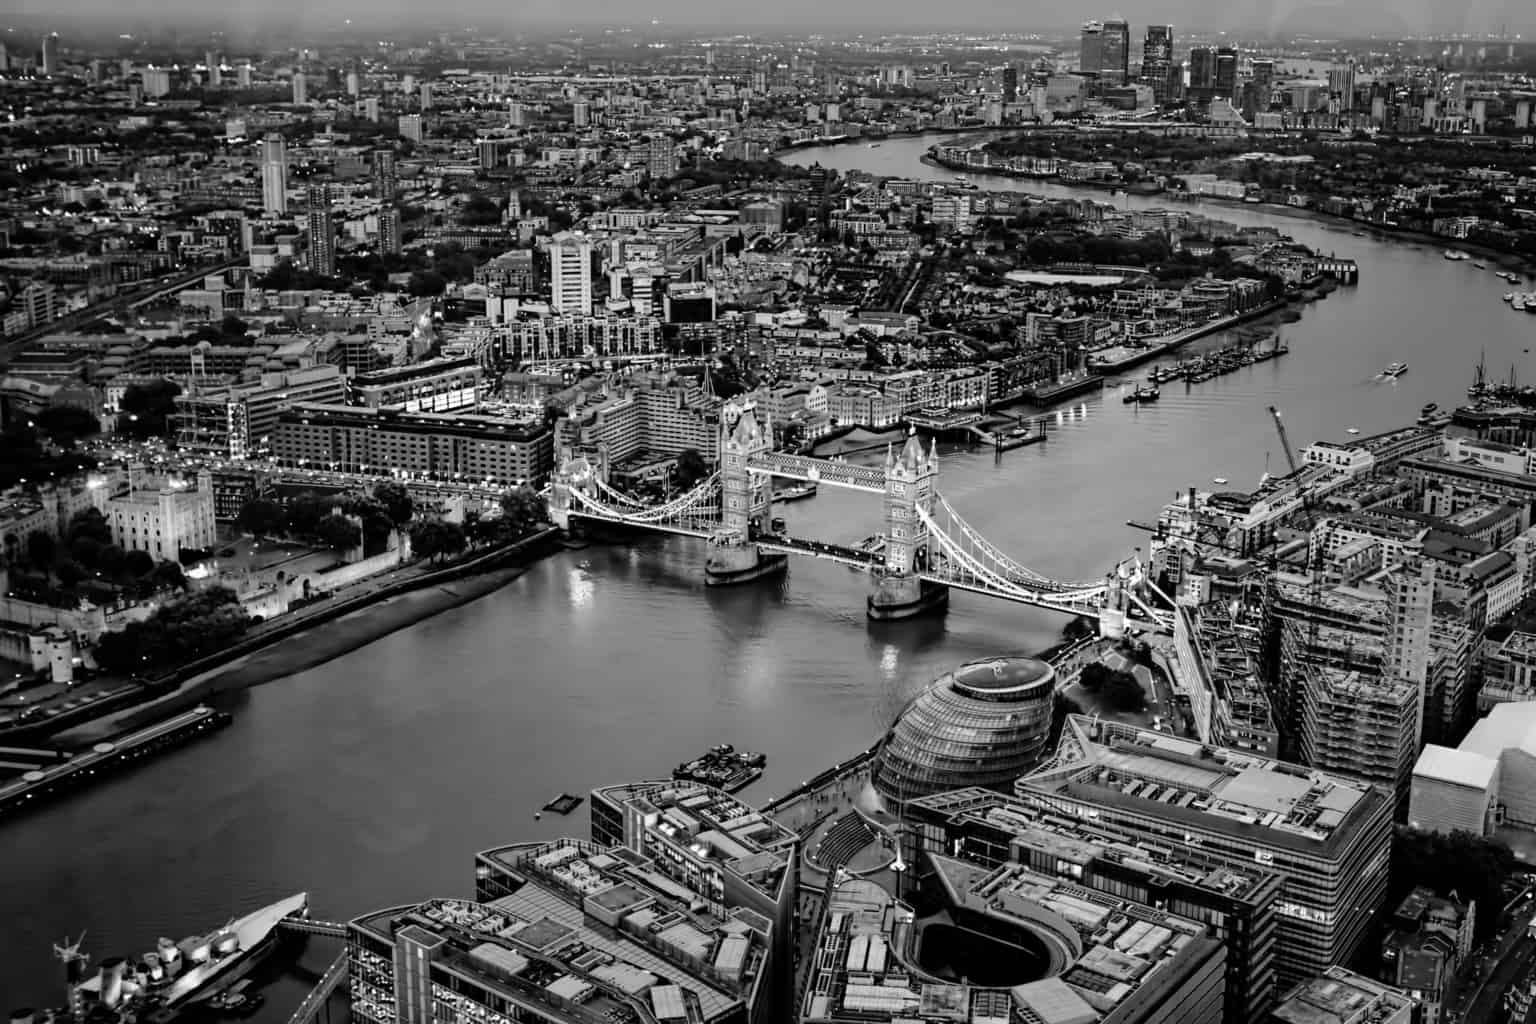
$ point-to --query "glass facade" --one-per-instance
(984, 724)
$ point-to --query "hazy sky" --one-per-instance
(872, 16)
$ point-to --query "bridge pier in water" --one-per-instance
(897, 591)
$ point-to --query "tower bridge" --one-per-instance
(925, 548)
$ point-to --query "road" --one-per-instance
(1516, 955)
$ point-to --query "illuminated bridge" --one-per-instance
(924, 550)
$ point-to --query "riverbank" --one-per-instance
(1137, 357)
(324, 635)
(876, 140)
(1508, 260)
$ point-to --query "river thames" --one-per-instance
(373, 780)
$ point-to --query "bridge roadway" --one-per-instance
(314, 926)
(824, 471)
(770, 542)
(313, 1005)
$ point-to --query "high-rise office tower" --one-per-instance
(274, 175)
(389, 230)
(322, 232)
(371, 108)
(5, 58)
(426, 95)
(1157, 60)
(215, 77)
(1263, 86)
(1226, 72)
(410, 127)
(570, 273)
(300, 89)
(581, 113)
(384, 175)
(1090, 59)
(1010, 84)
(243, 76)
(661, 157)
(50, 54)
(1202, 71)
(1341, 83)
(354, 84)
(1116, 49)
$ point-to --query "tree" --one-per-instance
(168, 574)
(397, 501)
(338, 532)
(86, 551)
(146, 408)
(66, 424)
(138, 564)
(522, 510)
(260, 516)
(111, 560)
(427, 538)
(426, 282)
(88, 523)
(42, 549)
(304, 512)
(375, 518)
(1472, 867)
(690, 469)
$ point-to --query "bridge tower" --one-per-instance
(744, 499)
(911, 480)
(572, 474)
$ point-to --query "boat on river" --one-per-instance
(723, 767)
(1142, 395)
(1395, 370)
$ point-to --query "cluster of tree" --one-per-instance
(25, 458)
(204, 621)
(84, 562)
(1460, 863)
(433, 539)
(1119, 690)
(689, 470)
(336, 521)
(145, 409)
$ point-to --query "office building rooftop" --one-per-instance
(1340, 996)
(1258, 799)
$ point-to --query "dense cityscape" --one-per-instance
(1027, 483)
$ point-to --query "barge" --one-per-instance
(722, 767)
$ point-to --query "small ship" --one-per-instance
(722, 767)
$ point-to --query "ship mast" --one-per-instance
(68, 953)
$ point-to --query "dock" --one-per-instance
(41, 784)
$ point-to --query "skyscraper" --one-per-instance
(1116, 50)
(581, 113)
(1226, 72)
(426, 96)
(410, 127)
(1202, 71)
(274, 175)
(389, 230)
(1010, 84)
(661, 157)
(322, 232)
(215, 77)
(1157, 60)
(1262, 87)
(570, 273)
(354, 84)
(50, 55)
(1091, 53)
(300, 89)
(384, 175)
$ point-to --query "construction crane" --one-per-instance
(1290, 458)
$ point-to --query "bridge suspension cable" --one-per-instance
(698, 509)
(999, 578)
(987, 552)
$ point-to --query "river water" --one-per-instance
(373, 779)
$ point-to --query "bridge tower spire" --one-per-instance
(911, 488)
(745, 497)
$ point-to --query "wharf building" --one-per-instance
(1237, 901)
(437, 385)
(1340, 996)
(1329, 837)
(1001, 944)
(522, 341)
(717, 852)
(656, 416)
(441, 446)
(565, 932)
(1486, 783)
(238, 421)
(1228, 698)
(1428, 939)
